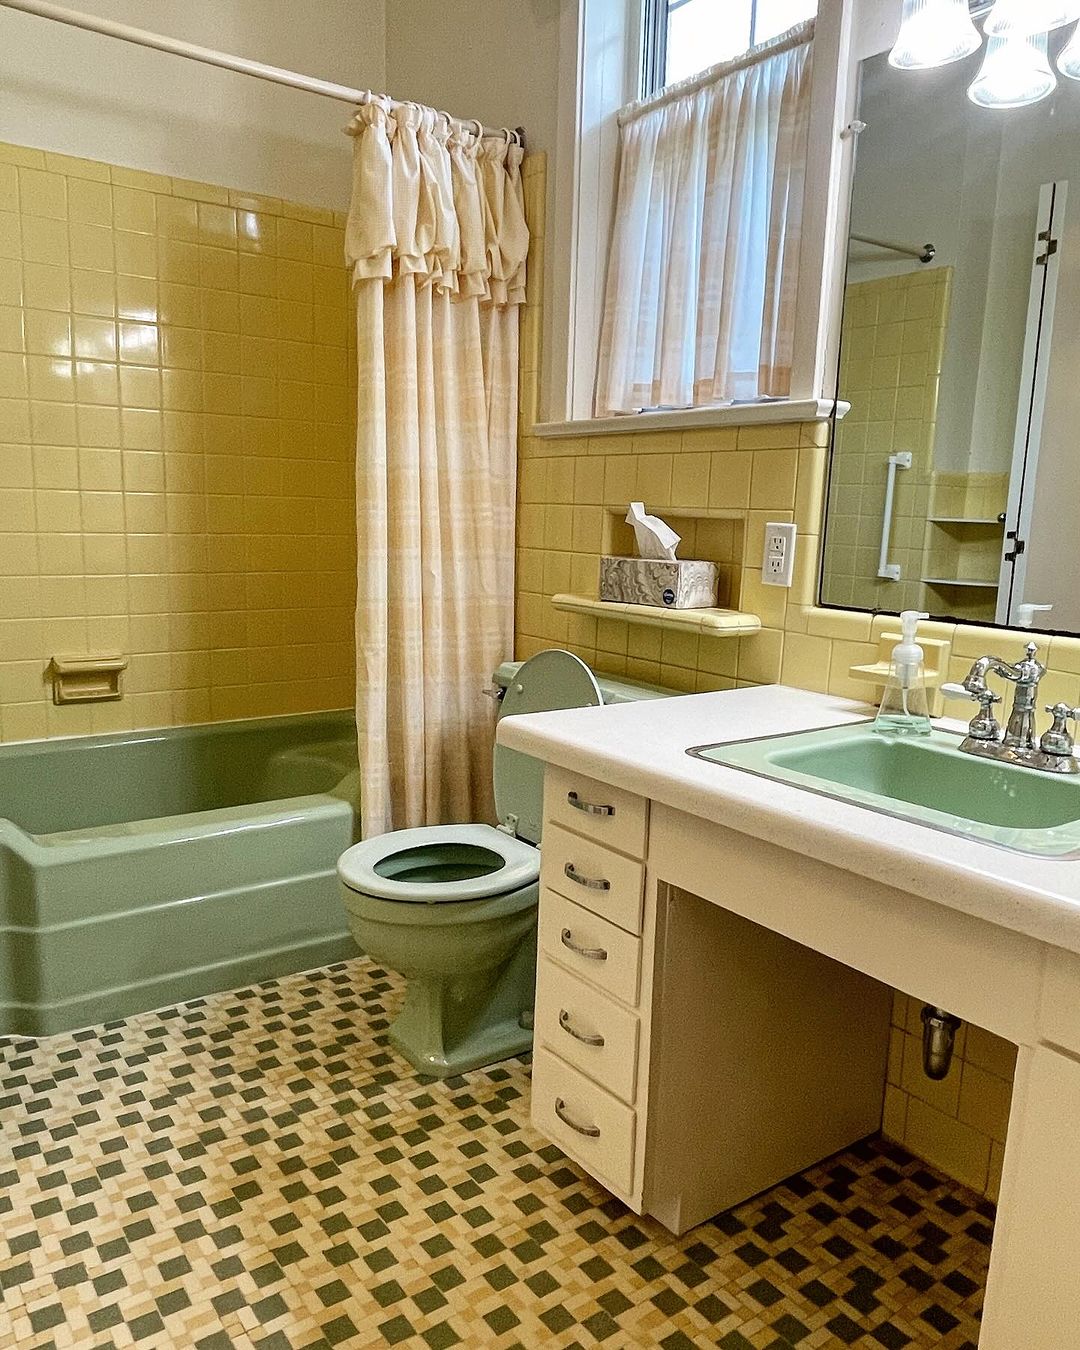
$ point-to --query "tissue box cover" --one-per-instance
(671, 585)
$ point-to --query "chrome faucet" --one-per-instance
(1019, 743)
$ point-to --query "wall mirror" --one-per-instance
(954, 480)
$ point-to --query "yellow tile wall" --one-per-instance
(568, 488)
(892, 345)
(176, 437)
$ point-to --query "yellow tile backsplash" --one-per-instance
(176, 442)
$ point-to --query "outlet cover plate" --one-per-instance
(778, 554)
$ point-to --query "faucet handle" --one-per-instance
(1057, 740)
(984, 726)
(985, 697)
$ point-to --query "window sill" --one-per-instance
(686, 419)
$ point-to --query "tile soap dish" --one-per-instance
(936, 652)
(91, 678)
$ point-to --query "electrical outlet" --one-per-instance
(778, 557)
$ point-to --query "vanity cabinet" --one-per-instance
(733, 1031)
(712, 1016)
(686, 1057)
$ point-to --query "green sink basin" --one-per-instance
(922, 778)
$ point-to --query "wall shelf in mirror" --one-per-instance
(984, 521)
(705, 622)
(961, 581)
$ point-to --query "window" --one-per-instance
(685, 36)
(703, 265)
(600, 74)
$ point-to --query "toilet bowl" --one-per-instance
(452, 908)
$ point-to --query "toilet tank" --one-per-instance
(614, 688)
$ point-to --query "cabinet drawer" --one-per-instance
(592, 875)
(587, 1028)
(588, 1122)
(609, 815)
(590, 946)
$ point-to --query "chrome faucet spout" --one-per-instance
(1019, 743)
(1025, 675)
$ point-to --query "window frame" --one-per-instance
(654, 46)
(601, 70)
(654, 42)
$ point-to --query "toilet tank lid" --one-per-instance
(546, 682)
(613, 688)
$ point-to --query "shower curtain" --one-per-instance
(437, 241)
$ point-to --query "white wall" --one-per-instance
(488, 59)
(493, 60)
(81, 94)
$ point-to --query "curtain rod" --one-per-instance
(142, 37)
(792, 37)
(925, 253)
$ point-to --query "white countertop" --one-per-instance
(642, 747)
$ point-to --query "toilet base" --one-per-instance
(449, 1026)
(488, 1046)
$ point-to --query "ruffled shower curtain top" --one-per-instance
(703, 268)
(437, 242)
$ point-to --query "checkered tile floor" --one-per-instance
(258, 1169)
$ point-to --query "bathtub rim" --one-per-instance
(151, 831)
(169, 731)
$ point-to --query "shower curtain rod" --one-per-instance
(925, 253)
(141, 37)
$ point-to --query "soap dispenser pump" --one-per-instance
(905, 709)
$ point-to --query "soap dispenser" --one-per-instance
(905, 709)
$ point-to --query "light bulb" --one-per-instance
(1014, 71)
(1024, 18)
(934, 33)
(1068, 61)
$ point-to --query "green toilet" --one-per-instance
(453, 907)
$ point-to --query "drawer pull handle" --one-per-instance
(590, 808)
(589, 953)
(589, 1131)
(582, 1036)
(591, 883)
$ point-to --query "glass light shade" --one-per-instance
(934, 33)
(1024, 18)
(1015, 71)
(1068, 61)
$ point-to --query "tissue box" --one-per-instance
(671, 585)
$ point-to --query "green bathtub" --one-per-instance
(145, 868)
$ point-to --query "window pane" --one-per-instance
(776, 16)
(702, 32)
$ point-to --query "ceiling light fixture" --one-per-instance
(1015, 72)
(1068, 61)
(1024, 18)
(934, 33)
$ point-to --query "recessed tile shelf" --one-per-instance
(706, 622)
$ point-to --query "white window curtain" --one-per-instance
(437, 241)
(703, 269)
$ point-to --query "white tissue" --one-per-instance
(655, 540)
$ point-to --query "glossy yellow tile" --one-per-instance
(141, 444)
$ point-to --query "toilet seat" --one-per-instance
(413, 865)
(438, 864)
